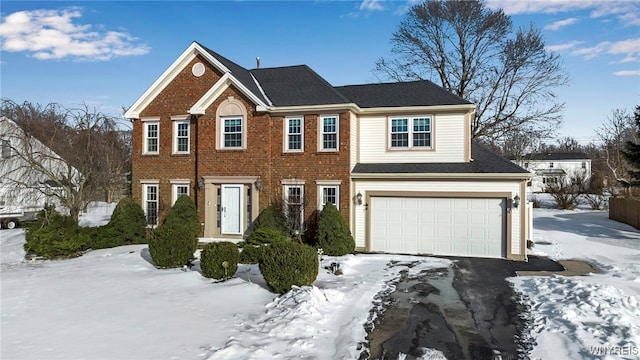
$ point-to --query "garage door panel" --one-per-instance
(442, 226)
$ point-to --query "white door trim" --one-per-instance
(232, 209)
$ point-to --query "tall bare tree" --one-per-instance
(474, 52)
(613, 134)
(66, 156)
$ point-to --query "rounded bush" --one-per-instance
(59, 237)
(272, 217)
(289, 263)
(171, 246)
(128, 225)
(333, 234)
(219, 260)
(184, 211)
(266, 236)
(250, 254)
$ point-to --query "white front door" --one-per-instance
(231, 212)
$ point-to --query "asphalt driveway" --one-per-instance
(466, 311)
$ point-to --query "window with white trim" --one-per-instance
(150, 198)
(329, 194)
(294, 206)
(294, 133)
(181, 131)
(177, 190)
(151, 136)
(329, 133)
(232, 132)
(413, 132)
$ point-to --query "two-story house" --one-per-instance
(396, 159)
(556, 168)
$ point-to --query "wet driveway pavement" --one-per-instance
(465, 311)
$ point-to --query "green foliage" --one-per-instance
(250, 254)
(266, 236)
(173, 243)
(272, 217)
(57, 236)
(289, 263)
(333, 234)
(219, 260)
(128, 222)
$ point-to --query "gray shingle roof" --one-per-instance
(412, 93)
(557, 156)
(296, 85)
(484, 162)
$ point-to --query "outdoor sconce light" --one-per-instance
(359, 199)
(201, 183)
(516, 201)
(258, 183)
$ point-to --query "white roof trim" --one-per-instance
(411, 109)
(165, 79)
(200, 107)
(470, 176)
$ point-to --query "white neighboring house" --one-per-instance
(553, 168)
(26, 189)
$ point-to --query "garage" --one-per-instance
(453, 226)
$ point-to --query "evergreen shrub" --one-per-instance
(58, 236)
(128, 223)
(272, 217)
(266, 235)
(333, 234)
(174, 242)
(289, 263)
(219, 260)
(250, 254)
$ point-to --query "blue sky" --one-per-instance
(106, 54)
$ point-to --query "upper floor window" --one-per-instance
(232, 133)
(551, 165)
(151, 134)
(584, 165)
(410, 132)
(328, 133)
(294, 133)
(181, 133)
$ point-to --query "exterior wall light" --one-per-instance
(200, 183)
(359, 199)
(516, 201)
(258, 183)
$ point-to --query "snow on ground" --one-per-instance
(584, 317)
(114, 304)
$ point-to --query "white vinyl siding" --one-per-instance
(447, 141)
(294, 134)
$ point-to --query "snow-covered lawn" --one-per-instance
(114, 304)
(585, 317)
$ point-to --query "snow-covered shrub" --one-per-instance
(219, 260)
(289, 263)
(173, 243)
(250, 254)
(333, 234)
(58, 236)
(272, 217)
(266, 235)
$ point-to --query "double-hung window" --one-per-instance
(412, 132)
(294, 206)
(181, 134)
(294, 133)
(328, 133)
(329, 194)
(150, 198)
(151, 137)
(232, 129)
(179, 188)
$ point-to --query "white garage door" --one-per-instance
(439, 226)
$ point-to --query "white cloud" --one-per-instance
(629, 49)
(561, 23)
(563, 47)
(52, 34)
(371, 5)
(627, 73)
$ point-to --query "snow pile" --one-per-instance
(584, 316)
(97, 214)
(325, 320)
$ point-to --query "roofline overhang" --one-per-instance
(307, 108)
(169, 74)
(416, 109)
(200, 107)
(442, 176)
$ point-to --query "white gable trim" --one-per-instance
(217, 89)
(165, 79)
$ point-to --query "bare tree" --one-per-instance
(613, 135)
(66, 156)
(566, 190)
(474, 52)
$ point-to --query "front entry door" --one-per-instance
(231, 201)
